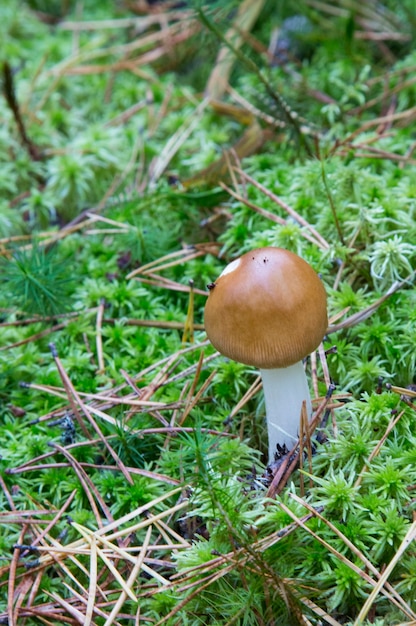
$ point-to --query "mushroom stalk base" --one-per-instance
(285, 390)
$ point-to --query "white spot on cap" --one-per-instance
(231, 267)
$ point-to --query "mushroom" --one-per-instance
(268, 309)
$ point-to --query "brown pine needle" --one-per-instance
(11, 608)
(98, 546)
(69, 391)
(188, 331)
(160, 263)
(149, 520)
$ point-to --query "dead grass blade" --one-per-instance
(245, 19)
(175, 142)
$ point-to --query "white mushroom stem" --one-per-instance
(285, 390)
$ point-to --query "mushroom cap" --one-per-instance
(267, 309)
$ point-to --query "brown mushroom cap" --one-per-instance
(267, 309)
